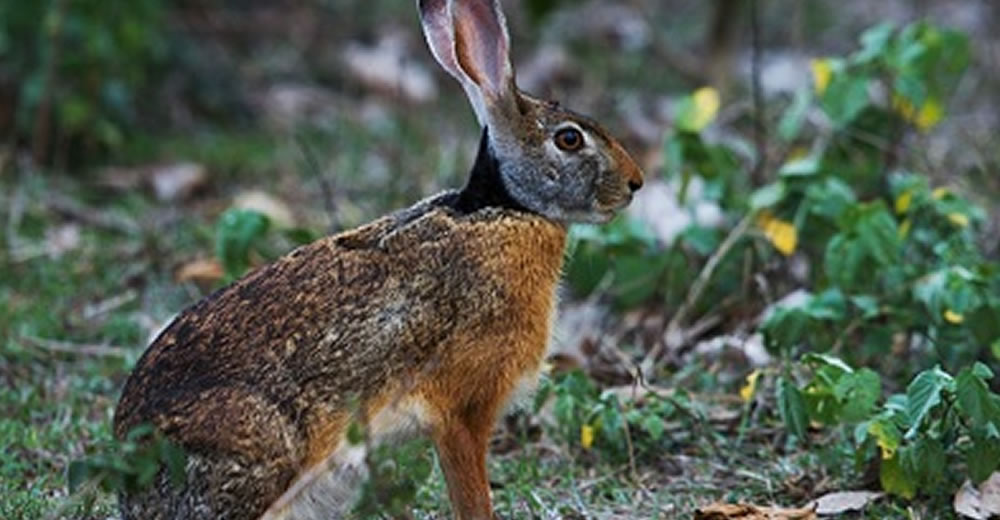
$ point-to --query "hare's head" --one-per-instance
(552, 161)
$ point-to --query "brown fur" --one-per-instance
(268, 369)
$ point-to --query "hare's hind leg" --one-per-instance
(213, 489)
(461, 444)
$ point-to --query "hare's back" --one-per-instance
(330, 321)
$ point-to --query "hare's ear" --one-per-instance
(436, 20)
(482, 47)
(469, 39)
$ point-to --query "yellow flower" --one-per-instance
(940, 193)
(903, 201)
(706, 106)
(781, 234)
(797, 152)
(747, 390)
(822, 70)
(958, 219)
(953, 317)
(925, 117)
(587, 436)
(930, 114)
(904, 228)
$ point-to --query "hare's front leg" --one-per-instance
(461, 442)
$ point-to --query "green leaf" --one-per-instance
(845, 98)
(827, 305)
(974, 396)
(792, 407)
(791, 121)
(830, 199)
(804, 167)
(886, 434)
(983, 456)
(821, 359)
(654, 426)
(867, 304)
(858, 392)
(874, 42)
(768, 195)
(923, 394)
(784, 328)
(928, 461)
(895, 479)
(176, 461)
(235, 234)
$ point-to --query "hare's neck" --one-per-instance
(485, 188)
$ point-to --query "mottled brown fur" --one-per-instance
(268, 369)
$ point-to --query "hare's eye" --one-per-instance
(569, 139)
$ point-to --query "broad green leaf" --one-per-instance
(767, 196)
(895, 479)
(929, 460)
(983, 457)
(235, 234)
(878, 232)
(702, 240)
(974, 396)
(792, 407)
(867, 304)
(858, 392)
(654, 426)
(923, 394)
(821, 359)
(784, 328)
(845, 98)
(827, 305)
(886, 434)
(791, 121)
(874, 42)
(830, 198)
(804, 167)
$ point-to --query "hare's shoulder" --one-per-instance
(436, 221)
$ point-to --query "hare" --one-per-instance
(426, 321)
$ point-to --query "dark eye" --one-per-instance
(569, 139)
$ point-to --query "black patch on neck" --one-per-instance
(485, 188)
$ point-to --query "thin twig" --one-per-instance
(40, 135)
(674, 336)
(90, 216)
(85, 349)
(759, 128)
(325, 186)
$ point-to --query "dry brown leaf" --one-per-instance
(720, 511)
(206, 270)
(844, 501)
(979, 503)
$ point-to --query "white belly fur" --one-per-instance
(330, 490)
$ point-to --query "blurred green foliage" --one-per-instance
(89, 61)
(897, 280)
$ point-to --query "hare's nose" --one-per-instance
(634, 184)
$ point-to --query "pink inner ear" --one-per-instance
(437, 29)
(481, 45)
